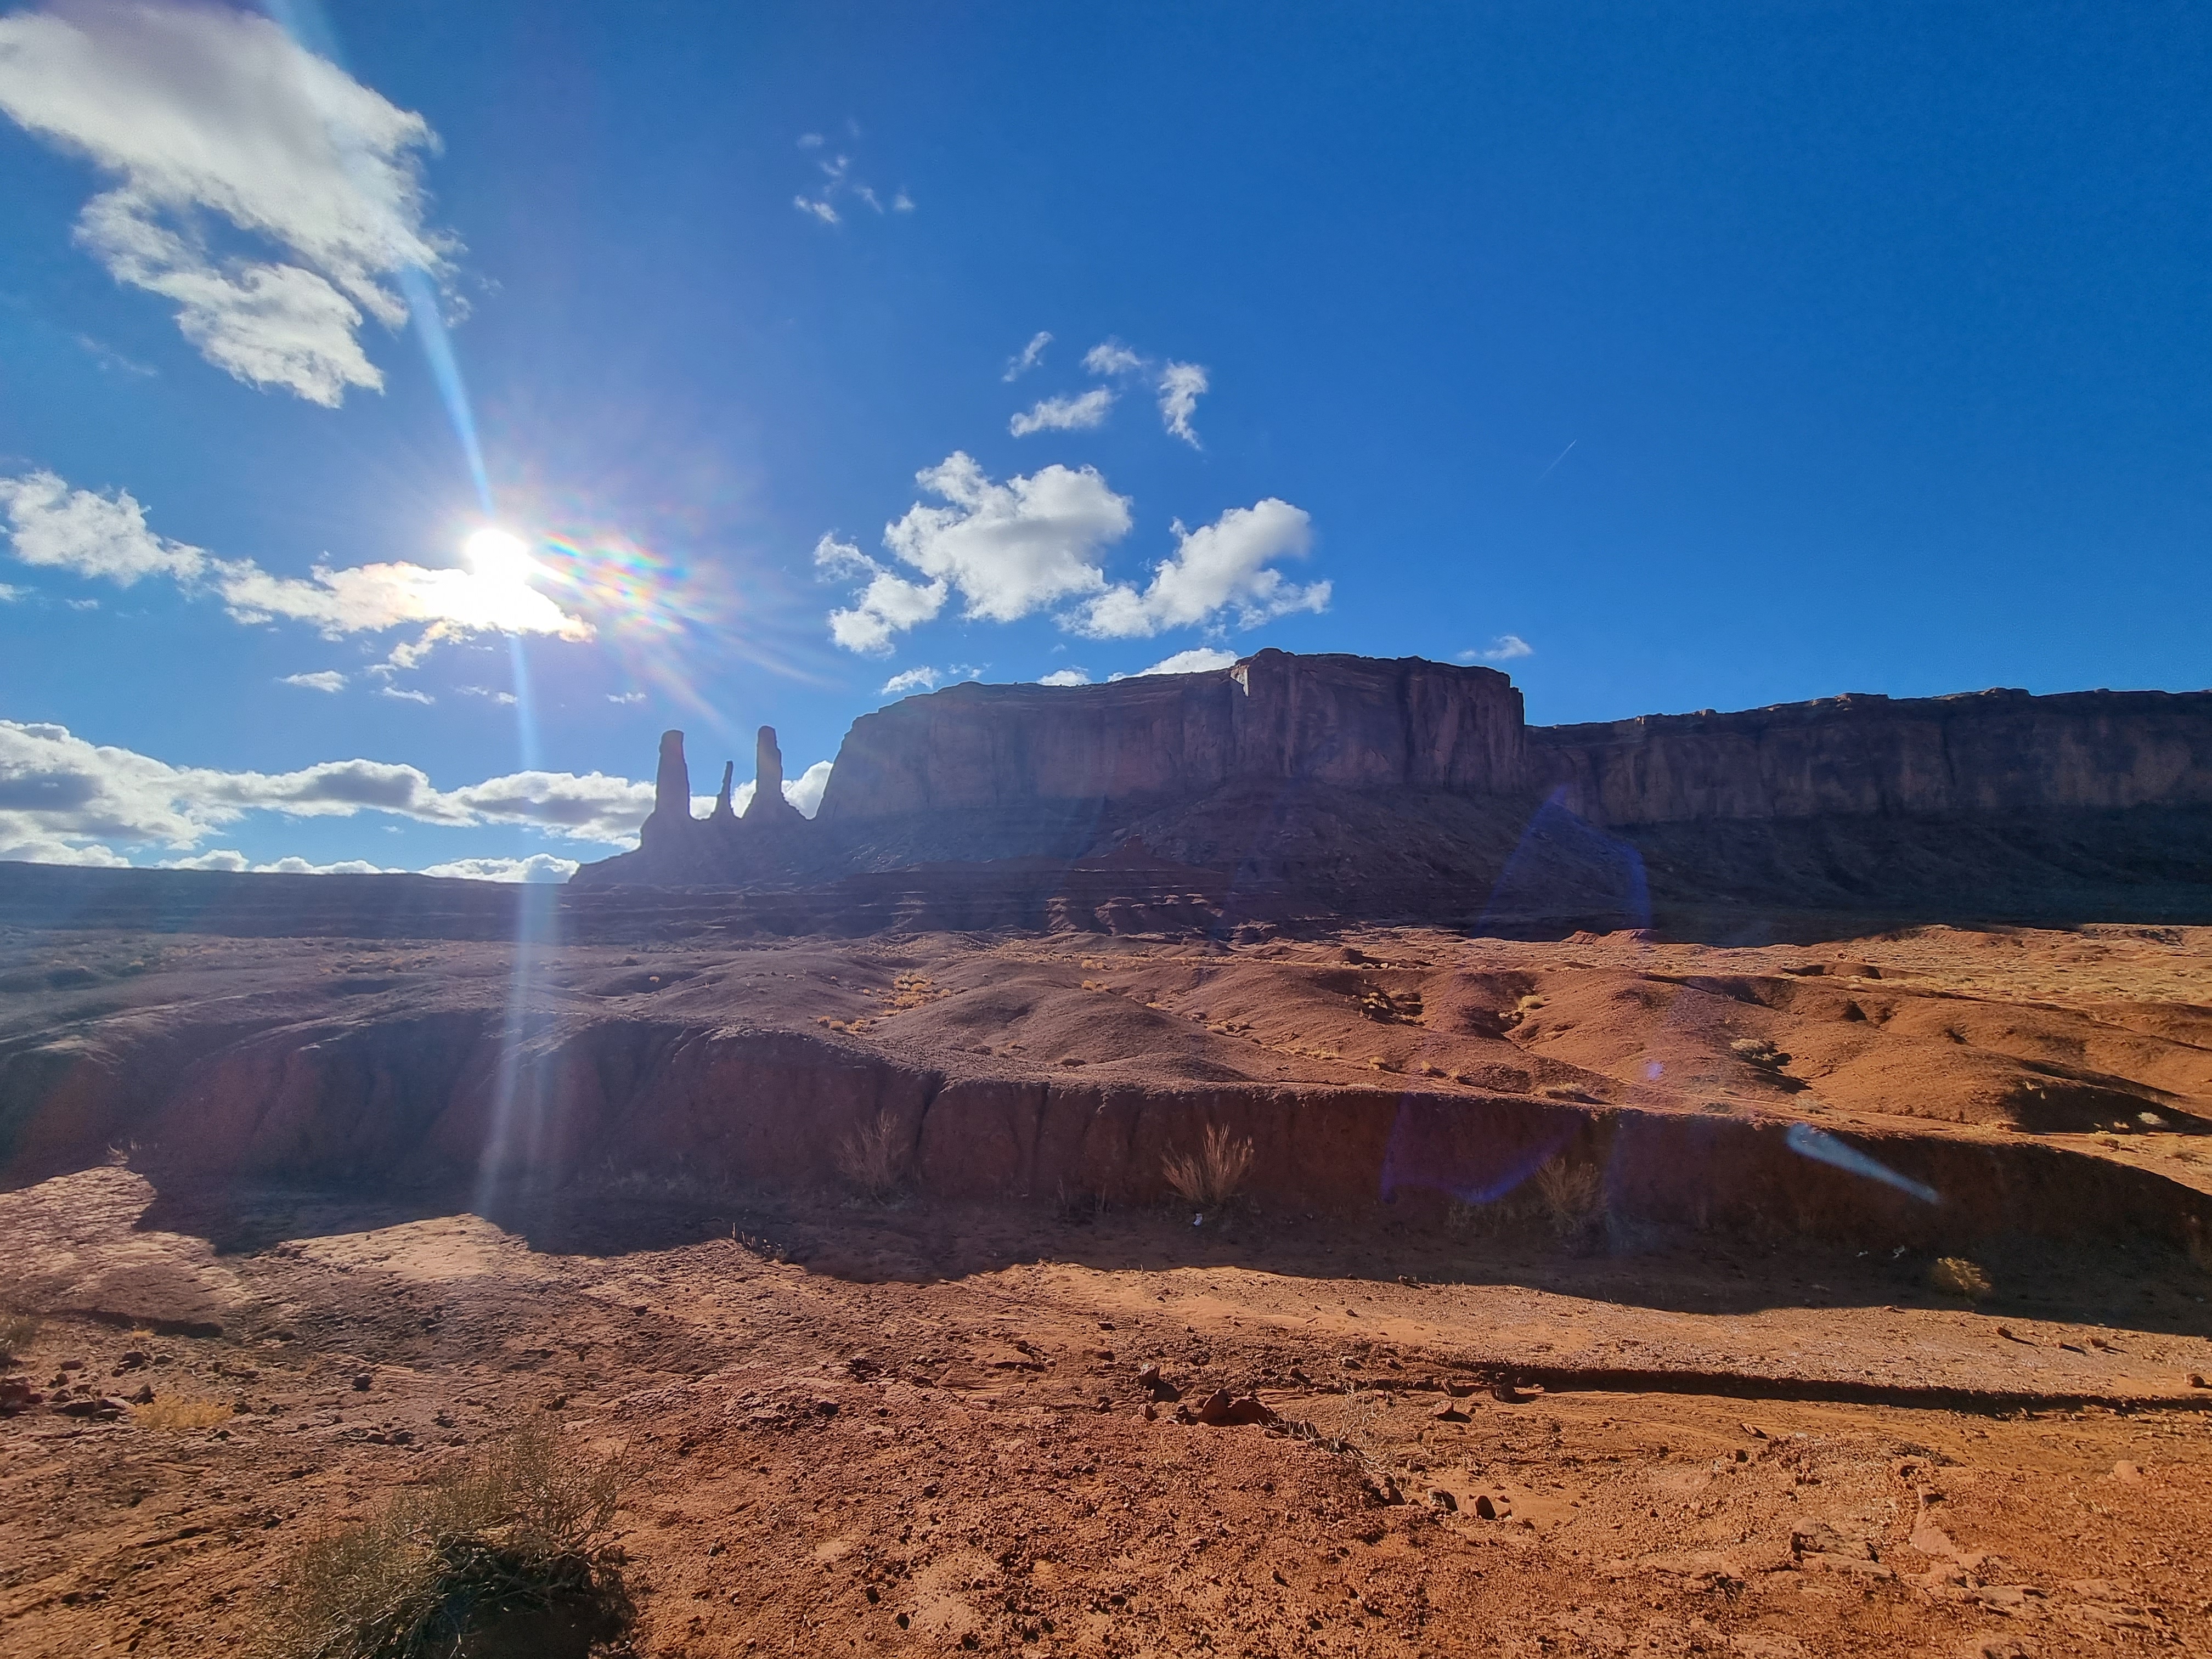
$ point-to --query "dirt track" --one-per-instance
(1744, 1441)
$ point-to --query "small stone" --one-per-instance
(1484, 1508)
(361, 1380)
(1448, 1410)
(144, 1397)
(2196, 1380)
(1439, 1499)
(2128, 1474)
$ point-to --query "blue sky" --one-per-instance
(1669, 356)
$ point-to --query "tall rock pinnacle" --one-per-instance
(722, 812)
(767, 805)
(671, 781)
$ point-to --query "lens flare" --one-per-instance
(1809, 1142)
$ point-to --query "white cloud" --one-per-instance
(504, 698)
(1076, 414)
(403, 696)
(1066, 676)
(1029, 356)
(327, 680)
(909, 681)
(539, 867)
(63, 799)
(1223, 565)
(205, 113)
(902, 203)
(1010, 549)
(1506, 647)
(1200, 659)
(1181, 386)
(106, 537)
(220, 858)
(1112, 357)
(300, 866)
(822, 210)
(626, 697)
(805, 791)
(9, 595)
(887, 605)
(839, 179)
(809, 141)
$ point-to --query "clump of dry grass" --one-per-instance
(872, 1157)
(1954, 1275)
(178, 1416)
(1573, 1194)
(18, 1331)
(1211, 1177)
(504, 1533)
(1759, 1052)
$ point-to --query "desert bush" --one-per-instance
(504, 1534)
(872, 1157)
(18, 1331)
(1758, 1051)
(1573, 1194)
(176, 1415)
(1954, 1275)
(1211, 1177)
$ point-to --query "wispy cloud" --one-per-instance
(1179, 385)
(906, 683)
(106, 537)
(1112, 357)
(402, 694)
(1028, 357)
(626, 697)
(839, 181)
(203, 112)
(1506, 647)
(1075, 414)
(327, 680)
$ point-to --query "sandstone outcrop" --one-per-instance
(1350, 786)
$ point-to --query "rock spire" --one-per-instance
(767, 805)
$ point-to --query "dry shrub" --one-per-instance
(503, 1536)
(1210, 1177)
(873, 1155)
(18, 1331)
(1954, 1275)
(1573, 1194)
(1758, 1051)
(176, 1415)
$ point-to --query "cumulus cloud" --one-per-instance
(1010, 549)
(1066, 676)
(327, 680)
(65, 800)
(1506, 647)
(1075, 414)
(888, 604)
(1028, 357)
(1201, 659)
(909, 681)
(1181, 386)
(203, 114)
(539, 867)
(106, 537)
(1223, 566)
(9, 595)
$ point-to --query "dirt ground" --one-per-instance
(920, 1426)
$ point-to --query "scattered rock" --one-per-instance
(1439, 1499)
(1219, 1411)
(1484, 1508)
(362, 1380)
(1448, 1410)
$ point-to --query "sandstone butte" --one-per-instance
(1417, 790)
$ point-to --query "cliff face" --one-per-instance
(1355, 722)
(1982, 754)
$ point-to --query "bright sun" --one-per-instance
(500, 556)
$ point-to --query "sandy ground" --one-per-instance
(919, 1427)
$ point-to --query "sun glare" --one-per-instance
(500, 556)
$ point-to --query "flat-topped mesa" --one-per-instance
(768, 805)
(1980, 754)
(1357, 722)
